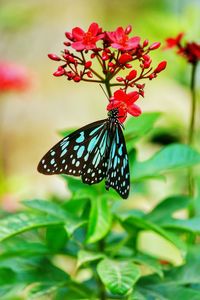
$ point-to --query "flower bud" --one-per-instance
(111, 64)
(76, 78)
(124, 58)
(152, 75)
(128, 29)
(105, 56)
(60, 71)
(147, 64)
(145, 43)
(88, 64)
(93, 55)
(67, 44)
(89, 74)
(161, 66)
(154, 46)
(128, 66)
(131, 75)
(69, 36)
(120, 79)
(54, 57)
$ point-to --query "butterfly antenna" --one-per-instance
(104, 92)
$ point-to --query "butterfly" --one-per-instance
(95, 152)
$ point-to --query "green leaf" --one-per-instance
(191, 225)
(137, 127)
(71, 290)
(71, 222)
(118, 277)
(150, 262)
(168, 158)
(18, 246)
(56, 238)
(142, 223)
(47, 207)
(78, 189)
(99, 220)
(167, 207)
(87, 256)
(7, 276)
(154, 244)
(66, 132)
(169, 292)
(21, 222)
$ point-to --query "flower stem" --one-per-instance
(107, 84)
(190, 140)
(193, 106)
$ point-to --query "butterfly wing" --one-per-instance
(118, 176)
(73, 154)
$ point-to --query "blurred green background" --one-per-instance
(30, 120)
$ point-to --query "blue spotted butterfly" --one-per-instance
(95, 152)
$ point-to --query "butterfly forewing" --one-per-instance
(118, 176)
(71, 155)
(93, 152)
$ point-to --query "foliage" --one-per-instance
(91, 247)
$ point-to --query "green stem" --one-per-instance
(190, 141)
(107, 84)
(193, 106)
(102, 292)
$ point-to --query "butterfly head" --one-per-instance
(113, 113)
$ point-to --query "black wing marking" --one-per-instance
(72, 155)
(118, 176)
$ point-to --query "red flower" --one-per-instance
(119, 39)
(125, 104)
(86, 40)
(192, 52)
(173, 42)
(13, 77)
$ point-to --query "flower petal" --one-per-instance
(94, 28)
(119, 95)
(134, 110)
(78, 33)
(78, 45)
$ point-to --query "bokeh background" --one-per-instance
(30, 120)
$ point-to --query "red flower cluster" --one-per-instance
(13, 77)
(115, 52)
(191, 50)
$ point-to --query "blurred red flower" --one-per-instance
(190, 50)
(13, 77)
(173, 42)
(125, 104)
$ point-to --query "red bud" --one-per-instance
(145, 43)
(124, 58)
(88, 64)
(60, 71)
(77, 78)
(69, 36)
(128, 29)
(154, 46)
(162, 65)
(131, 75)
(54, 57)
(120, 79)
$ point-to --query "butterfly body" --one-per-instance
(95, 152)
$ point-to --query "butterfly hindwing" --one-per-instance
(118, 176)
(95, 169)
(72, 154)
